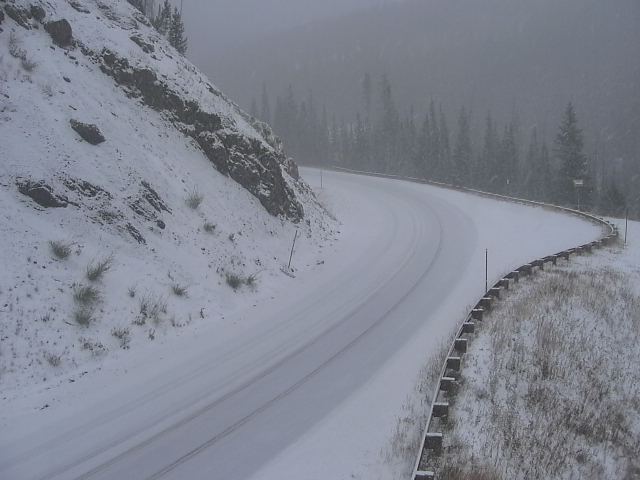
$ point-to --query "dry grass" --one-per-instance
(60, 250)
(553, 395)
(123, 335)
(152, 309)
(97, 268)
(179, 290)
(407, 435)
(85, 295)
(194, 199)
(83, 316)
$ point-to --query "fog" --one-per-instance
(215, 26)
(520, 61)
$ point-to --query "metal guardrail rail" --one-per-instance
(432, 440)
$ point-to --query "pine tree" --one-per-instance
(613, 200)
(462, 151)
(162, 22)
(487, 163)
(573, 163)
(445, 148)
(176, 34)
(253, 111)
(367, 91)
(508, 168)
(265, 112)
(434, 144)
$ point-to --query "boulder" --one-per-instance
(19, 15)
(42, 194)
(89, 132)
(60, 31)
(38, 12)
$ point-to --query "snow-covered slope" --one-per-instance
(169, 137)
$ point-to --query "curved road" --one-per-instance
(224, 412)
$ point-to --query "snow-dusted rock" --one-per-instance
(60, 32)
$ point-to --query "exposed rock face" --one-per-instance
(60, 32)
(89, 133)
(38, 12)
(18, 14)
(248, 161)
(146, 47)
(41, 193)
(78, 6)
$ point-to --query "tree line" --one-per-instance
(502, 159)
(166, 20)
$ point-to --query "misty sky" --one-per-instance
(214, 25)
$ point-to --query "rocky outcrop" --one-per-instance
(253, 164)
(18, 14)
(60, 32)
(41, 193)
(90, 133)
(37, 12)
(146, 47)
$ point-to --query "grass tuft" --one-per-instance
(60, 250)
(209, 227)
(151, 308)
(83, 316)
(86, 295)
(53, 359)
(123, 334)
(233, 280)
(194, 199)
(179, 290)
(97, 268)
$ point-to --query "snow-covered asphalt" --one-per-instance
(220, 406)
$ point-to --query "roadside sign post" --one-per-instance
(295, 237)
(486, 270)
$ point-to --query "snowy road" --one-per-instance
(223, 406)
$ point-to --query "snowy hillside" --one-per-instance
(116, 152)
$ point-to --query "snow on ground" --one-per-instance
(155, 290)
(356, 439)
(551, 385)
(311, 380)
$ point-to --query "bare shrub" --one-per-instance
(151, 309)
(95, 347)
(194, 199)
(86, 295)
(209, 227)
(234, 280)
(251, 280)
(179, 290)
(60, 250)
(83, 316)
(123, 335)
(53, 359)
(97, 268)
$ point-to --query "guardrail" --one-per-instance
(432, 439)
